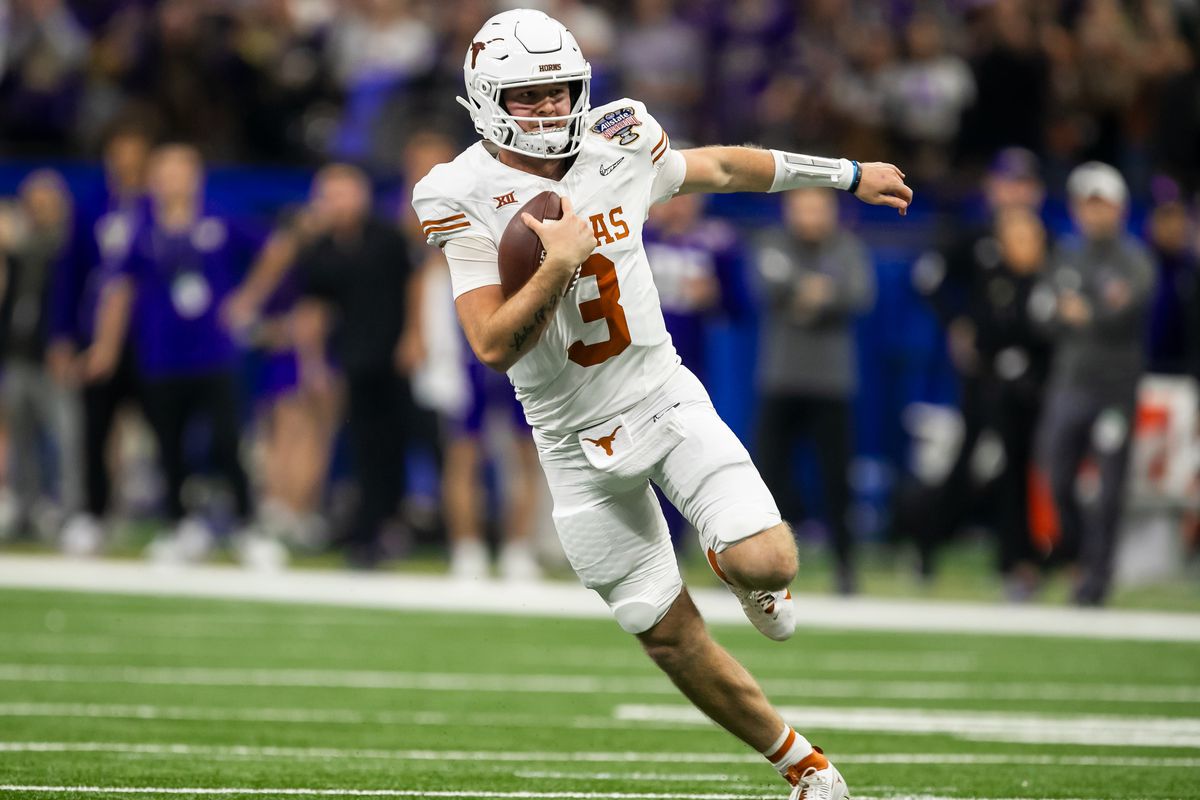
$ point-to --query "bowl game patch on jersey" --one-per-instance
(620, 122)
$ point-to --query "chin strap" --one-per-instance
(543, 142)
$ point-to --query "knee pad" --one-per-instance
(621, 549)
(640, 603)
(638, 616)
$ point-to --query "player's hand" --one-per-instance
(883, 185)
(568, 241)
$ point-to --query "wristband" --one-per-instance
(856, 179)
(796, 171)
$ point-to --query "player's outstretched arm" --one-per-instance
(501, 332)
(749, 169)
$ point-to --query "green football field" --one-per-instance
(109, 695)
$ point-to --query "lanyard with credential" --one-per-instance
(190, 291)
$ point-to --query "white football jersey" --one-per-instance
(607, 346)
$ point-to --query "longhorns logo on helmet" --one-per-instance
(526, 48)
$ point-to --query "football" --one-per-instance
(521, 251)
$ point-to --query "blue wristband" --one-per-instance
(857, 177)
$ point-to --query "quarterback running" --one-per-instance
(584, 343)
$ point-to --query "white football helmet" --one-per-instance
(524, 47)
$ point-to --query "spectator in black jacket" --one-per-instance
(354, 282)
(1009, 356)
(953, 281)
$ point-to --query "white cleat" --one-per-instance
(258, 552)
(815, 778)
(82, 536)
(189, 543)
(773, 613)
(469, 561)
(518, 564)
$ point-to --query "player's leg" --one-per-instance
(709, 676)
(766, 560)
(710, 478)
(615, 536)
(718, 685)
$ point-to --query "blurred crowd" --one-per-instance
(306, 388)
(937, 85)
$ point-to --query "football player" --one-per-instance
(585, 346)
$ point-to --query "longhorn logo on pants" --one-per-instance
(605, 442)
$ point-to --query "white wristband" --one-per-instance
(796, 171)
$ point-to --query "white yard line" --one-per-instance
(267, 753)
(137, 640)
(991, 726)
(589, 684)
(1039, 728)
(292, 792)
(309, 716)
(488, 795)
(435, 593)
(650, 777)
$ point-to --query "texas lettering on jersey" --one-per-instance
(607, 346)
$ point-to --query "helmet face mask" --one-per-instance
(519, 49)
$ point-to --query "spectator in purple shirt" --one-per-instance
(180, 265)
(698, 268)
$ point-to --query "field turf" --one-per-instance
(121, 696)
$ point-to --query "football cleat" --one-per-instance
(773, 613)
(815, 778)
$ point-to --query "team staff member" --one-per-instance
(815, 279)
(354, 282)
(1094, 301)
(179, 267)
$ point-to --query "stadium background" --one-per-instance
(270, 90)
(118, 679)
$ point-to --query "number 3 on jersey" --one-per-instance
(607, 307)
